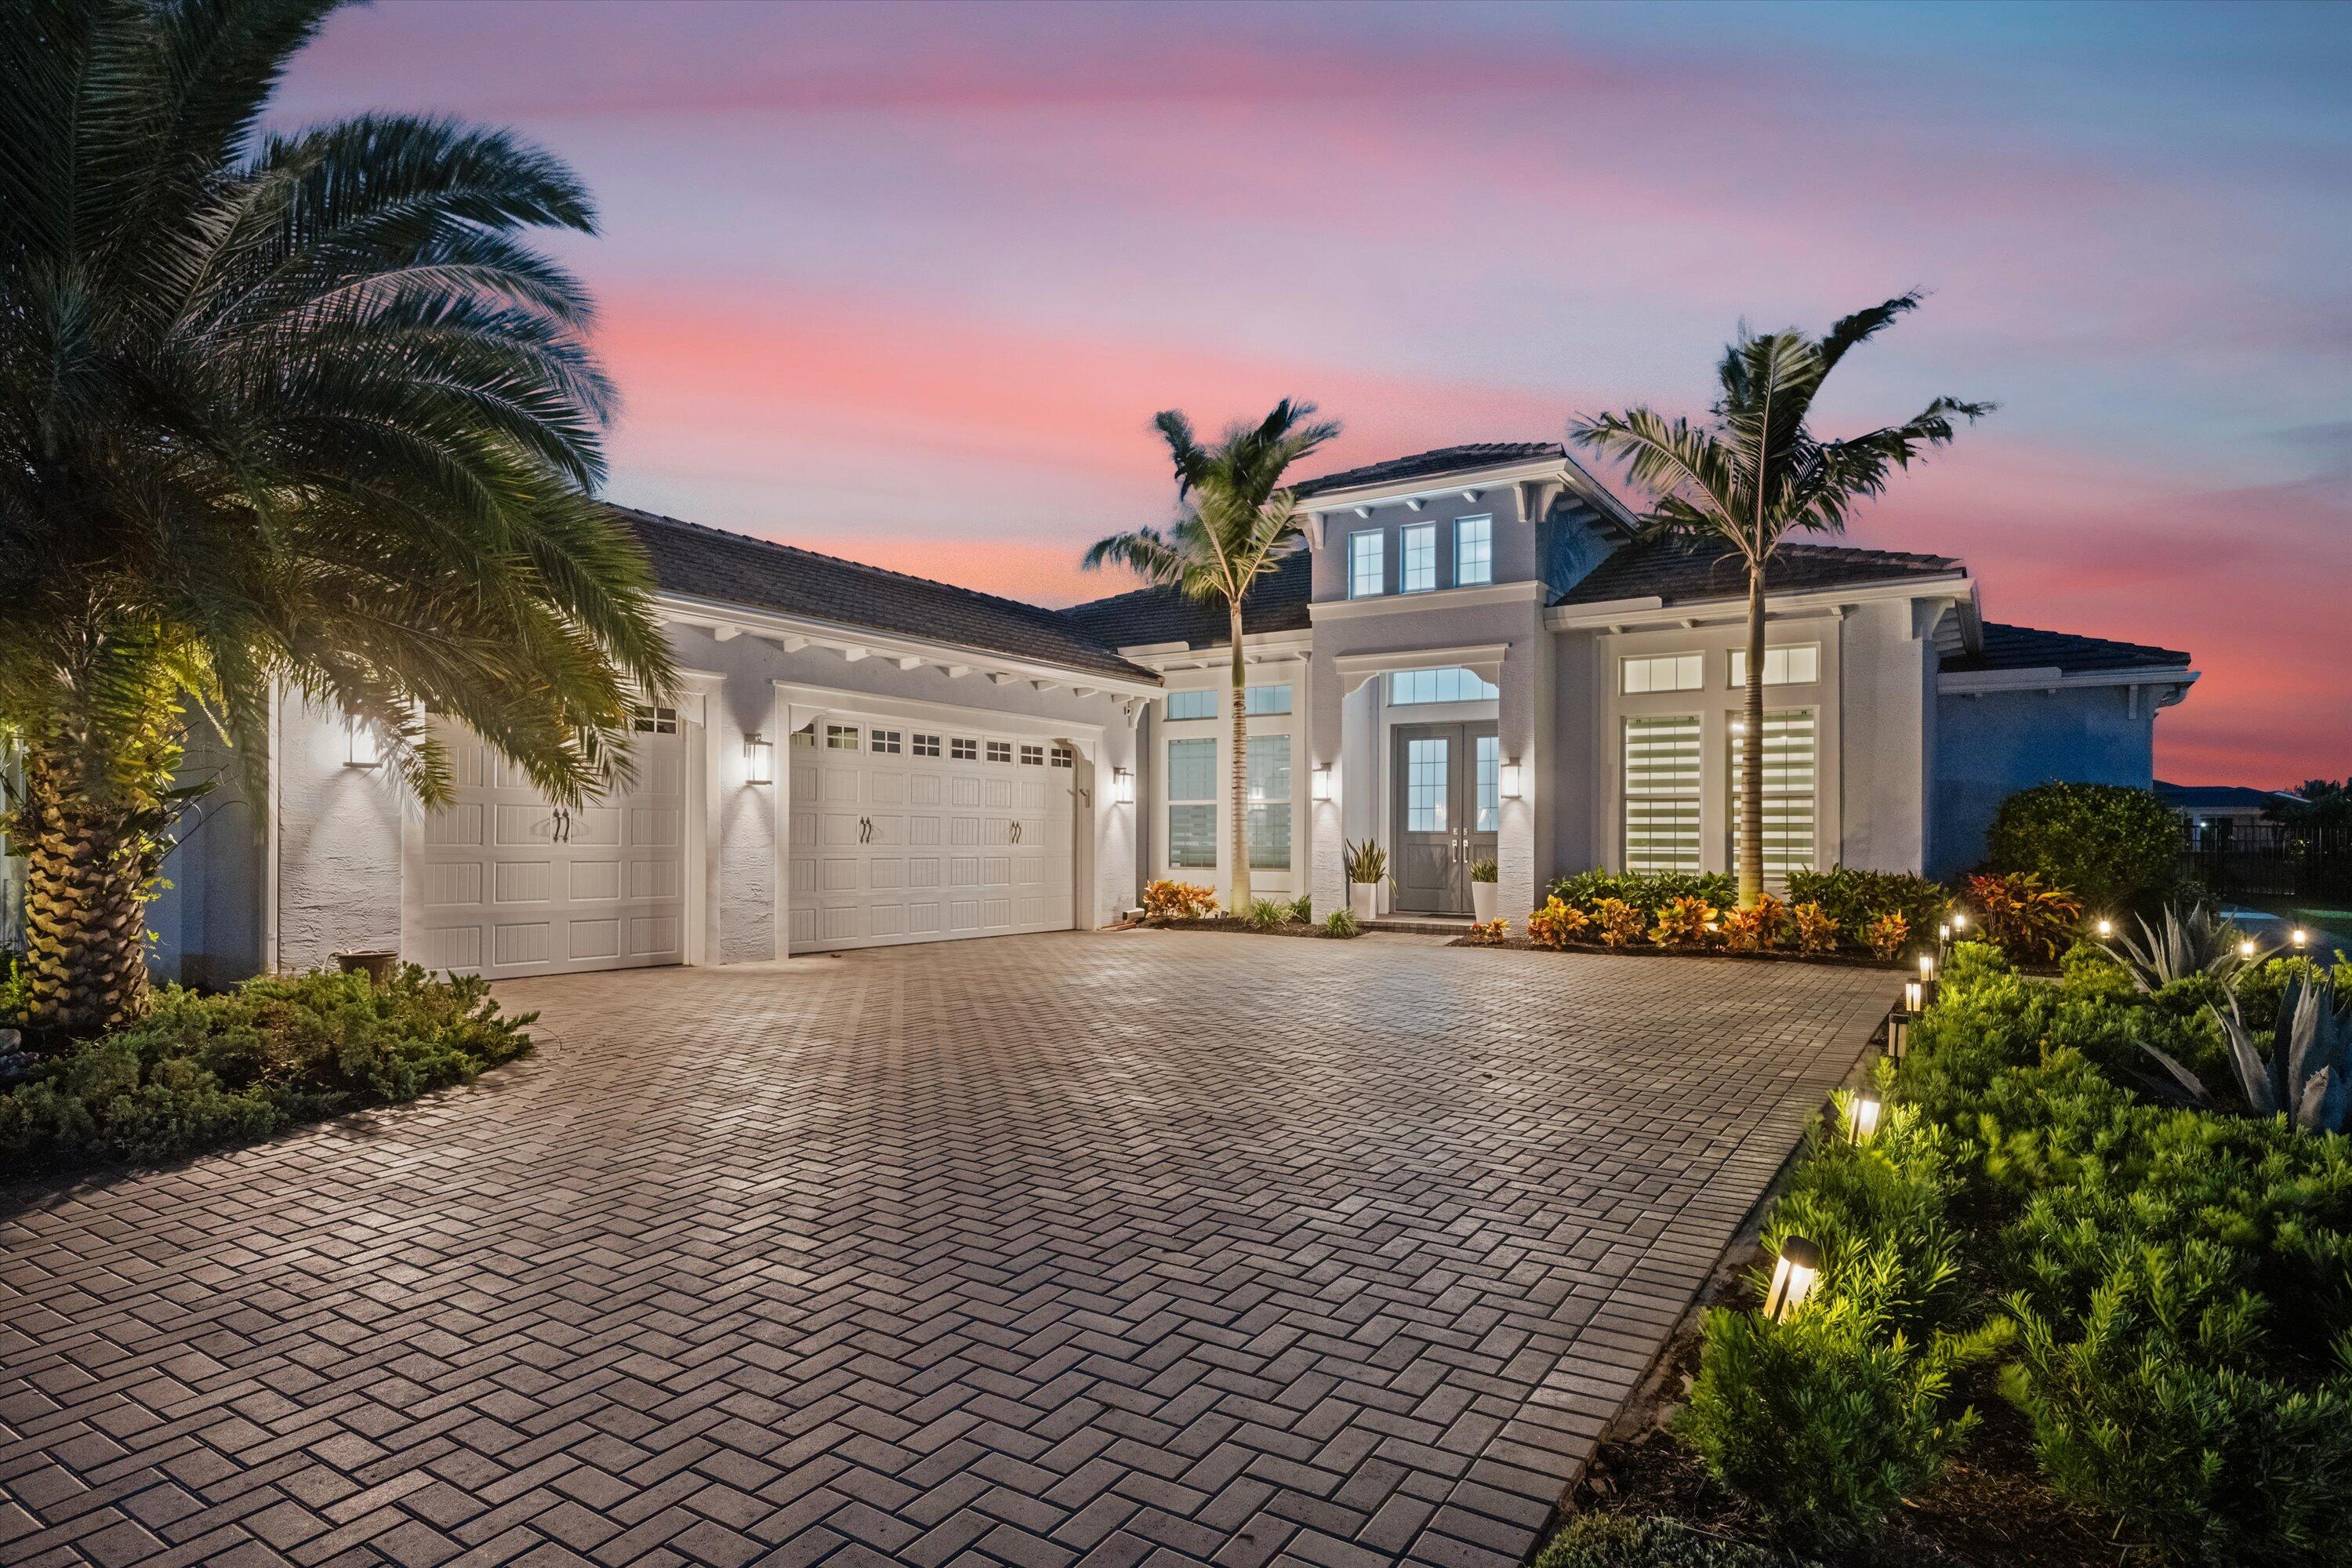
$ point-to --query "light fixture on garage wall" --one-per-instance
(362, 747)
(1327, 785)
(1508, 779)
(758, 759)
(1122, 786)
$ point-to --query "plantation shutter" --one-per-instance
(1661, 794)
(1789, 793)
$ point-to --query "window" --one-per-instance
(1192, 704)
(1265, 698)
(1425, 781)
(890, 742)
(1788, 775)
(1064, 757)
(1417, 558)
(1798, 666)
(1452, 684)
(999, 750)
(962, 749)
(1665, 672)
(1367, 564)
(647, 721)
(1474, 550)
(1191, 803)
(803, 740)
(1268, 764)
(1662, 801)
(1033, 756)
(1489, 758)
(927, 746)
(840, 737)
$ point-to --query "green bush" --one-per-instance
(1854, 898)
(1342, 924)
(200, 1072)
(1648, 891)
(1603, 1541)
(2110, 845)
(1266, 914)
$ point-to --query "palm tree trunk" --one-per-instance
(89, 871)
(1240, 766)
(1751, 748)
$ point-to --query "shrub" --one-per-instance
(1607, 1540)
(1815, 931)
(1302, 908)
(1365, 862)
(1556, 924)
(1687, 922)
(202, 1072)
(1647, 892)
(2109, 843)
(1756, 929)
(1885, 934)
(1621, 924)
(1171, 900)
(1489, 934)
(1266, 914)
(2022, 916)
(1340, 923)
(1854, 899)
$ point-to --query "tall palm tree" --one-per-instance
(279, 412)
(1755, 473)
(1238, 521)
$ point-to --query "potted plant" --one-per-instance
(1368, 867)
(1483, 889)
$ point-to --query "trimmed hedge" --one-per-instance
(2109, 844)
(203, 1072)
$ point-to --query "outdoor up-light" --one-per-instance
(2300, 937)
(1861, 1115)
(1122, 786)
(758, 759)
(1327, 788)
(362, 747)
(1798, 1269)
(1507, 780)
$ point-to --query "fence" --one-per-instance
(2307, 865)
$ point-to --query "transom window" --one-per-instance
(1192, 704)
(999, 750)
(1033, 756)
(1367, 563)
(650, 720)
(1474, 550)
(890, 742)
(1662, 672)
(963, 749)
(1265, 698)
(1425, 768)
(1064, 757)
(1798, 665)
(1662, 798)
(840, 737)
(1192, 803)
(1788, 791)
(1417, 558)
(926, 746)
(1451, 683)
(1268, 766)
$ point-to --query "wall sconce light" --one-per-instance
(1326, 785)
(758, 759)
(1793, 1278)
(1122, 786)
(1508, 779)
(1861, 1116)
(362, 747)
(2300, 937)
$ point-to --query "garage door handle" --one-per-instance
(865, 830)
(1016, 833)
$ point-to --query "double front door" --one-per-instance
(1445, 803)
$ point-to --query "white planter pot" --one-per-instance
(1360, 896)
(1484, 897)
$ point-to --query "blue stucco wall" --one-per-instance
(1989, 746)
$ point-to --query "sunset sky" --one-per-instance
(906, 283)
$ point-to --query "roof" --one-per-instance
(2023, 647)
(710, 563)
(1276, 602)
(1435, 463)
(1675, 568)
(2216, 797)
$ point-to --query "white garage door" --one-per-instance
(906, 831)
(504, 884)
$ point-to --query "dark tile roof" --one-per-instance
(2023, 647)
(2212, 797)
(1430, 465)
(733, 568)
(1680, 567)
(1276, 602)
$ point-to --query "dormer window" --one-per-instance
(1417, 558)
(1367, 563)
(1474, 550)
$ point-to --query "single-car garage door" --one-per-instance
(501, 883)
(915, 831)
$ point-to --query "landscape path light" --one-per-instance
(1914, 997)
(1861, 1116)
(2107, 927)
(1899, 1034)
(2246, 950)
(2300, 937)
(1793, 1278)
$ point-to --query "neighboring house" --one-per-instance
(2215, 816)
(1470, 659)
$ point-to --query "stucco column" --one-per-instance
(1517, 712)
(1328, 876)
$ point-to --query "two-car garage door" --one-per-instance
(914, 831)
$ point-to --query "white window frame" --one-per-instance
(1378, 562)
(1469, 571)
(1417, 558)
(1638, 674)
(1266, 809)
(1168, 705)
(1491, 692)
(1188, 802)
(1786, 656)
(1777, 866)
(1688, 800)
(1256, 707)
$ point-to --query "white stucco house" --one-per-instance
(1471, 657)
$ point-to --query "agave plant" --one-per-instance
(2198, 942)
(2306, 1075)
(1366, 862)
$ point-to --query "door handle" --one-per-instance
(865, 830)
(1016, 833)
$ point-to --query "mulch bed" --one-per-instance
(1233, 924)
(1647, 949)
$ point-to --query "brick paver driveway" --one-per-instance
(1111, 1247)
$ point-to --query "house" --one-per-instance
(1475, 656)
(2217, 816)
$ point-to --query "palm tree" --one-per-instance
(1237, 524)
(289, 414)
(1755, 472)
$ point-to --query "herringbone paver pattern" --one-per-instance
(1107, 1250)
